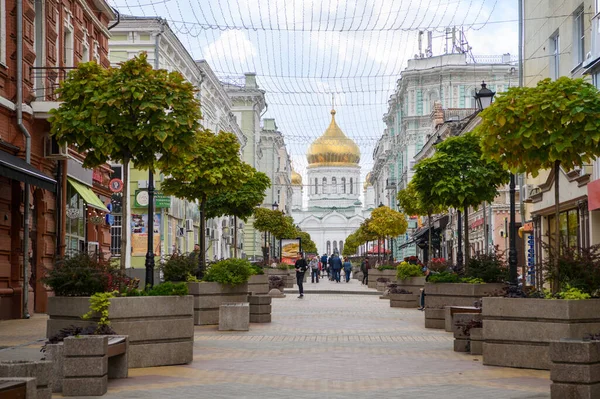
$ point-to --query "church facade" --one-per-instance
(333, 185)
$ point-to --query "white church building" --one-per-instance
(333, 187)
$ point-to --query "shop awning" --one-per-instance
(16, 168)
(88, 195)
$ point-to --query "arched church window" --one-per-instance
(335, 247)
(334, 185)
(325, 190)
(344, 185)
(316, 186)
(328, 247)
(351, 186)
(341, 246)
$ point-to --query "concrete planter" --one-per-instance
(259, 284)
(208, 297)
(476, 339)
(160, 328)
(518, 332)
(287, 276)
(574, 369)
(453, 294)
(412, 284)
(40, 370)
(374, 274)
(462, 339)
(404, 300)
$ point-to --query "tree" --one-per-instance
(308, 244)
(239, 202)
(412, 202)
(556, 123)
(132, 113)
(365, 233)
(386, 222)
(212, 168)
(457, 176)
(351, 244)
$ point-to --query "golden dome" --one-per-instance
(296, 178)
(333, 148)
(367, 182)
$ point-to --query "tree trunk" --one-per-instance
(459, 248)
(467, 246)
(235, 229)
(125, 225)
(202, 255)
(556, 246)
(429, 252)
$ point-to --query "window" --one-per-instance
(555, 56)
(115, 236)
(325, 190)
(351, 186)
(85, 47)
(569, 228)
(344, 182)
(316, 186)
(334, 185)
(341, 246)
(578, 37)
(75, 226)
(328, 247)
(68, 41)
(335, 247)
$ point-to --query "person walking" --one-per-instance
(347, 269)
(336, 266)
(324, 264)
(314, 269)
(364, 268)
(300, 267)
(427, 272)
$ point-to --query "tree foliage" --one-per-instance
(308, 245)
(274, 222)
(412, 202)
(240, 201)
(527, 129)
(351, 244)
(132, 112)
(386, 222)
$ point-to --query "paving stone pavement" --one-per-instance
(331, 346)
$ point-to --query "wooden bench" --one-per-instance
(13, 390)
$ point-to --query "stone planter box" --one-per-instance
(374, 274)
(208, 297)
(518, 332)
(438, 296)
(476, 339)
(160, 328)
(260, 308)
(462, 340)
(259, 284)
(286, 275)
(355, 271)
(40, 370)
(575, 369)
(412, 284)
(404, 300)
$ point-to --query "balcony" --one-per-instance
(46, 81)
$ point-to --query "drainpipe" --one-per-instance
(27, 156)
(118, 19)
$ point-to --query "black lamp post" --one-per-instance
(275, 207)
(150, 252)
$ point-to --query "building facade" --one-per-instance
(450, 80)
(48, 202)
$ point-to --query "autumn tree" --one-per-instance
(131, 113)
(386, 222)
(457, 176)
(240, 201)
(412, 202)
(308, 245)
(212, 168)
(554, 124)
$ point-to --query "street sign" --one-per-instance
(115, 185)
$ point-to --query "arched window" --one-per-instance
(335, 247)
(316, 186)
(334, 185)
(341, 246)
(344, 185)
(351, 186)
(328, 247)
(325, 190)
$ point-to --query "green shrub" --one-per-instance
(386, 267)
(168, 288)
(84, 275)
(578, 268)
(444, 277)
(573, 293)
(406, 270)
(256, 269)
(472, 280)
(178, 267)
(283, 266)
(229, 271)
(490, 268)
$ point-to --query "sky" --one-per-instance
(309, 54)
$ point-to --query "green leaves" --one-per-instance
(386, 222)
(275, 222)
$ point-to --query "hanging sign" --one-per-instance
(115, 185)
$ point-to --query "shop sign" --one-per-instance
(97, 176)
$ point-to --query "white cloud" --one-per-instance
(231, 46)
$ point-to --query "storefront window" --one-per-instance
(75, 228)
(569, 228)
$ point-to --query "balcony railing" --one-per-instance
(46, 80)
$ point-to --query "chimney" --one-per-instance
(250, 80)
(437, 116)
(269, 124)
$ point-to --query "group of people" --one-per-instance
(332, 266)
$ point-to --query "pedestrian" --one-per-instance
(324, 264)
(314, 269)
(300, 267)
(364, 268)
(428, 273)
(336, 266)
(347, 269)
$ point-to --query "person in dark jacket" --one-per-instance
(347, 269)
(300, 267)
(427, 273)
(324, 264)
(364, 268)
(336, 266)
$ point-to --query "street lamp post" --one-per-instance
(275, 207)
(150, 252)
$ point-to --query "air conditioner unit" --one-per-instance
(93, 248)
(54, 150)
(527, 191)
(189, 225)
(142, 183)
